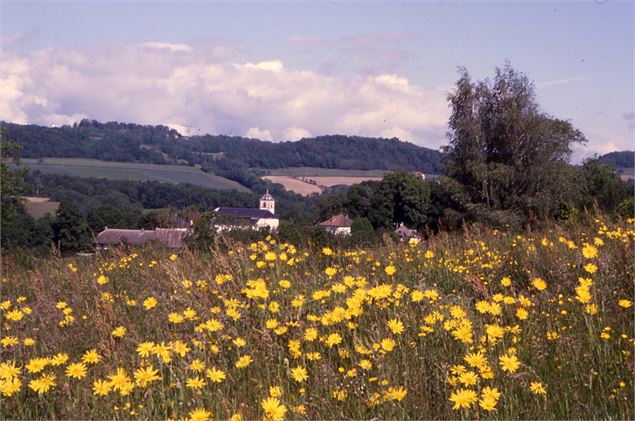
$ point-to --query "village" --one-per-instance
(227, 219)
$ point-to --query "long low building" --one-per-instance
(237, 218)
(173, 238)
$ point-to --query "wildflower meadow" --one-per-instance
(478, 325)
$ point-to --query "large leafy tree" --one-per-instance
(12, 183)
(70, 230)
(506, 159)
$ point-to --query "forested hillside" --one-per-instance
(115, 141)
(619, 159)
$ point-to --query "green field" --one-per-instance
(80, 167)
(324, 172)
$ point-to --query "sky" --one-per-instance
(287, 70)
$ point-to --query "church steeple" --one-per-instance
(268, 203)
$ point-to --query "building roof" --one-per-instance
(405, 232)
(171, 237)
(246, 213)
(339, 220)
(267, 196)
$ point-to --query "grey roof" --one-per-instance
(267, 196)
(246, 213)
(339, 220)
(172, 238)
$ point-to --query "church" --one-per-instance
(242, 218)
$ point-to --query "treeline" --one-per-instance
(90, 193)
(115, 141)
(619, 159)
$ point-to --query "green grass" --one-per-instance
(324, 172)
(80, 167)
(395, 317)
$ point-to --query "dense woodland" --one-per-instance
(115, 141)
(505, 166)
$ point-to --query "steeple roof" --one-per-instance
(267, 196)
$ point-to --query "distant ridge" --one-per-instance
(128, 142)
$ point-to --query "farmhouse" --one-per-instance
(406, 233)
(338, 224)
(242, 218)
(172, 238)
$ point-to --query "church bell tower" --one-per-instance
(267, 203)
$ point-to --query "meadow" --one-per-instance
(82, 167)
(478, 325)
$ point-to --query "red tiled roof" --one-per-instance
(339, 220)
(172, 238)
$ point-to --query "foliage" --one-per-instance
(476, 325)
(506, 158)
(619, 159)
(115, 141)
(70, 230)
(363, 233)
(202, 234)
(600, 186)
(12, 184)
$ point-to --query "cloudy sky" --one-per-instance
(287, 70)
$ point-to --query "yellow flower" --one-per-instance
(8, 371)
(273, 409)
(275, 391)
(537, 388)
(590, 268)
(145, 348)
(195, 383)
(416, 296)
(396, 326)
(387, 344)
(463, 398)
(76, 370)
(390, 270)
(215, 375)
(144, 376)
(35, 365)
(394, 394)
(14, 315)
(102, 279)
(91, 357)
(522, 313)
(625, 303)
(244, 361)
(119, 332)
(149, 303)
(101, 387)
(9, 341)
(469, 378)
(199, 414)
(299, 374)
(10, 386)
(173, 257)
(43, 383)
(478, 360)
(197, 365)
(509, 363)
(539, 284)
(589, 251)
(333, 339)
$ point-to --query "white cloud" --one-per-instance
(199, 91)
(256, 133)
(173, 48)
(295, 133)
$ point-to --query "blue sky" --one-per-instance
(283, 70)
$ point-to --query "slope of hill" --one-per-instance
(124, 142)
(83, 167)
(619, 159)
